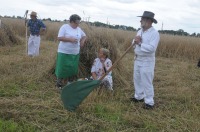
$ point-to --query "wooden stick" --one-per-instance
(25, 15)
(102, 77)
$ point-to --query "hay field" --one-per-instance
(30, 102)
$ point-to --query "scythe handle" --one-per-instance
(25, 16)
(102, 77)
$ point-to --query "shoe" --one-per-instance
(59, 88)
(110, 88)
(59, 85)
(147, 106)
(136, 100)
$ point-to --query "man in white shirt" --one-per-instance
(36, 27)
(146, 41)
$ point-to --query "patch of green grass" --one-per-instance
(10, 90)
(29, 101)
(106, 114)
(11, 126)
(150, 126)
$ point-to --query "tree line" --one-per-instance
(180, 32)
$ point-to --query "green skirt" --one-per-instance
(66, 65)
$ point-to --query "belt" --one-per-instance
(143, 56)
(35, 34)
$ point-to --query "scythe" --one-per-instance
(25, 16)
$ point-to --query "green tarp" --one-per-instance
(73, 94)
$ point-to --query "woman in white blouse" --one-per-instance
(100, 67)
(71, 38)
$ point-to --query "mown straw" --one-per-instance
(7, 36)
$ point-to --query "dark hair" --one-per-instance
(74, 18)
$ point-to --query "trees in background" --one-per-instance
(180, 32)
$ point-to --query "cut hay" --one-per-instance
(8, 36)
(116, 42)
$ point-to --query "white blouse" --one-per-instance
(67, 47)
(97, 67)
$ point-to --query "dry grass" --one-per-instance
(30, 102)
(8, 36)
(179, 47)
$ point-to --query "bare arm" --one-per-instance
(64, 39)
(94, 76)
(82, 41)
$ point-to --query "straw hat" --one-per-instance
(33, 14)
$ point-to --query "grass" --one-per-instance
(12, 126)
(29, 100)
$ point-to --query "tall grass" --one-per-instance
(180, 47)
(170, 46)
(30, 102)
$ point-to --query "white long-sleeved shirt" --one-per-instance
(150, 40)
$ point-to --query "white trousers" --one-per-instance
(33, 45)
(143, 81)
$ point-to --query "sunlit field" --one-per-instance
(29, 101)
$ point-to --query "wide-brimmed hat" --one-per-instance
(33, 14)
(148, 14)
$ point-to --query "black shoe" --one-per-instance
(136, 100)
(59, 85)
(148, 107)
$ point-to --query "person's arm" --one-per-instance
(94, 76)
(152, 44)
(42, 31)
(93, 70)
(83, 38)
(43, 27)
(82, 41)
(65, 39)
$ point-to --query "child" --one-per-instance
(100, 67)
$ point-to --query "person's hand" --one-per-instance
(138, 40)
(42, 31)
(74, 40)
(133, 41)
